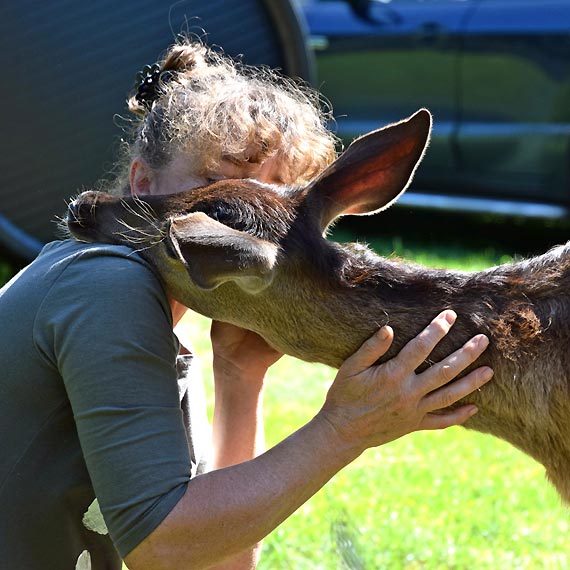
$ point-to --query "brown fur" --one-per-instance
(254, 255)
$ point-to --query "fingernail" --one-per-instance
(450, 316)
(487, 374)
(482, 340)
(472, 411)
(383, 333)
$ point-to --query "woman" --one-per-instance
(97, 401)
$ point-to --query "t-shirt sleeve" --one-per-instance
(106, 325)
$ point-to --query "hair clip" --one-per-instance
(150, 79)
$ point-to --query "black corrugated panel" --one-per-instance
(67, 68)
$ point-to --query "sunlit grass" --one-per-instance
(453, 256)
(451, 500)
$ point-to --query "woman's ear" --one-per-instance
(140, 177)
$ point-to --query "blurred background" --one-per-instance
(494, 73)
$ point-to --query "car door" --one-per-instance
(378, 62)
(514, 135)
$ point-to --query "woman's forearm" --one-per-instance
(238, 431)
(238, 436)
(226, 511)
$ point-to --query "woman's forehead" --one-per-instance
(227, 166)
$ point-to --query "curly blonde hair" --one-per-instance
(213, 107)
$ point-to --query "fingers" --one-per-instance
(448, 418)
(381, 403)
(440, 418)
(453, 392)
(370, 351)
(439, 401)
(440, 374)
(420, 347)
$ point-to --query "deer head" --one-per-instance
(254, 254)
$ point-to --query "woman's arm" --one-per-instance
(241, 360)
(226, 511)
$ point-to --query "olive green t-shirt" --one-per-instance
(90, 405)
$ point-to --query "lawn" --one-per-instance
(431, 501)
(452, 500)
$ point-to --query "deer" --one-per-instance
(257, 255)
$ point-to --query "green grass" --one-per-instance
(6, 272)
(451, 500)
(452, 255)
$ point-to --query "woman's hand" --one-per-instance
(369, 405)
(239, 352)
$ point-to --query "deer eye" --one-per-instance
(232, 214)
(222, 213)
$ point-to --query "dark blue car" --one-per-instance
(495, 74)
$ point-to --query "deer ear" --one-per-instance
(375, 169)
(214, 254)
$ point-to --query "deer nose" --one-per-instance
(74, 213)
(80, 214)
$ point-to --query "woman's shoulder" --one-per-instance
(98, 267)
(60, 254)
(99, 277)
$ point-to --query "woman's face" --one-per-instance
(179, 175)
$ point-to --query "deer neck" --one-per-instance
(324, 311)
